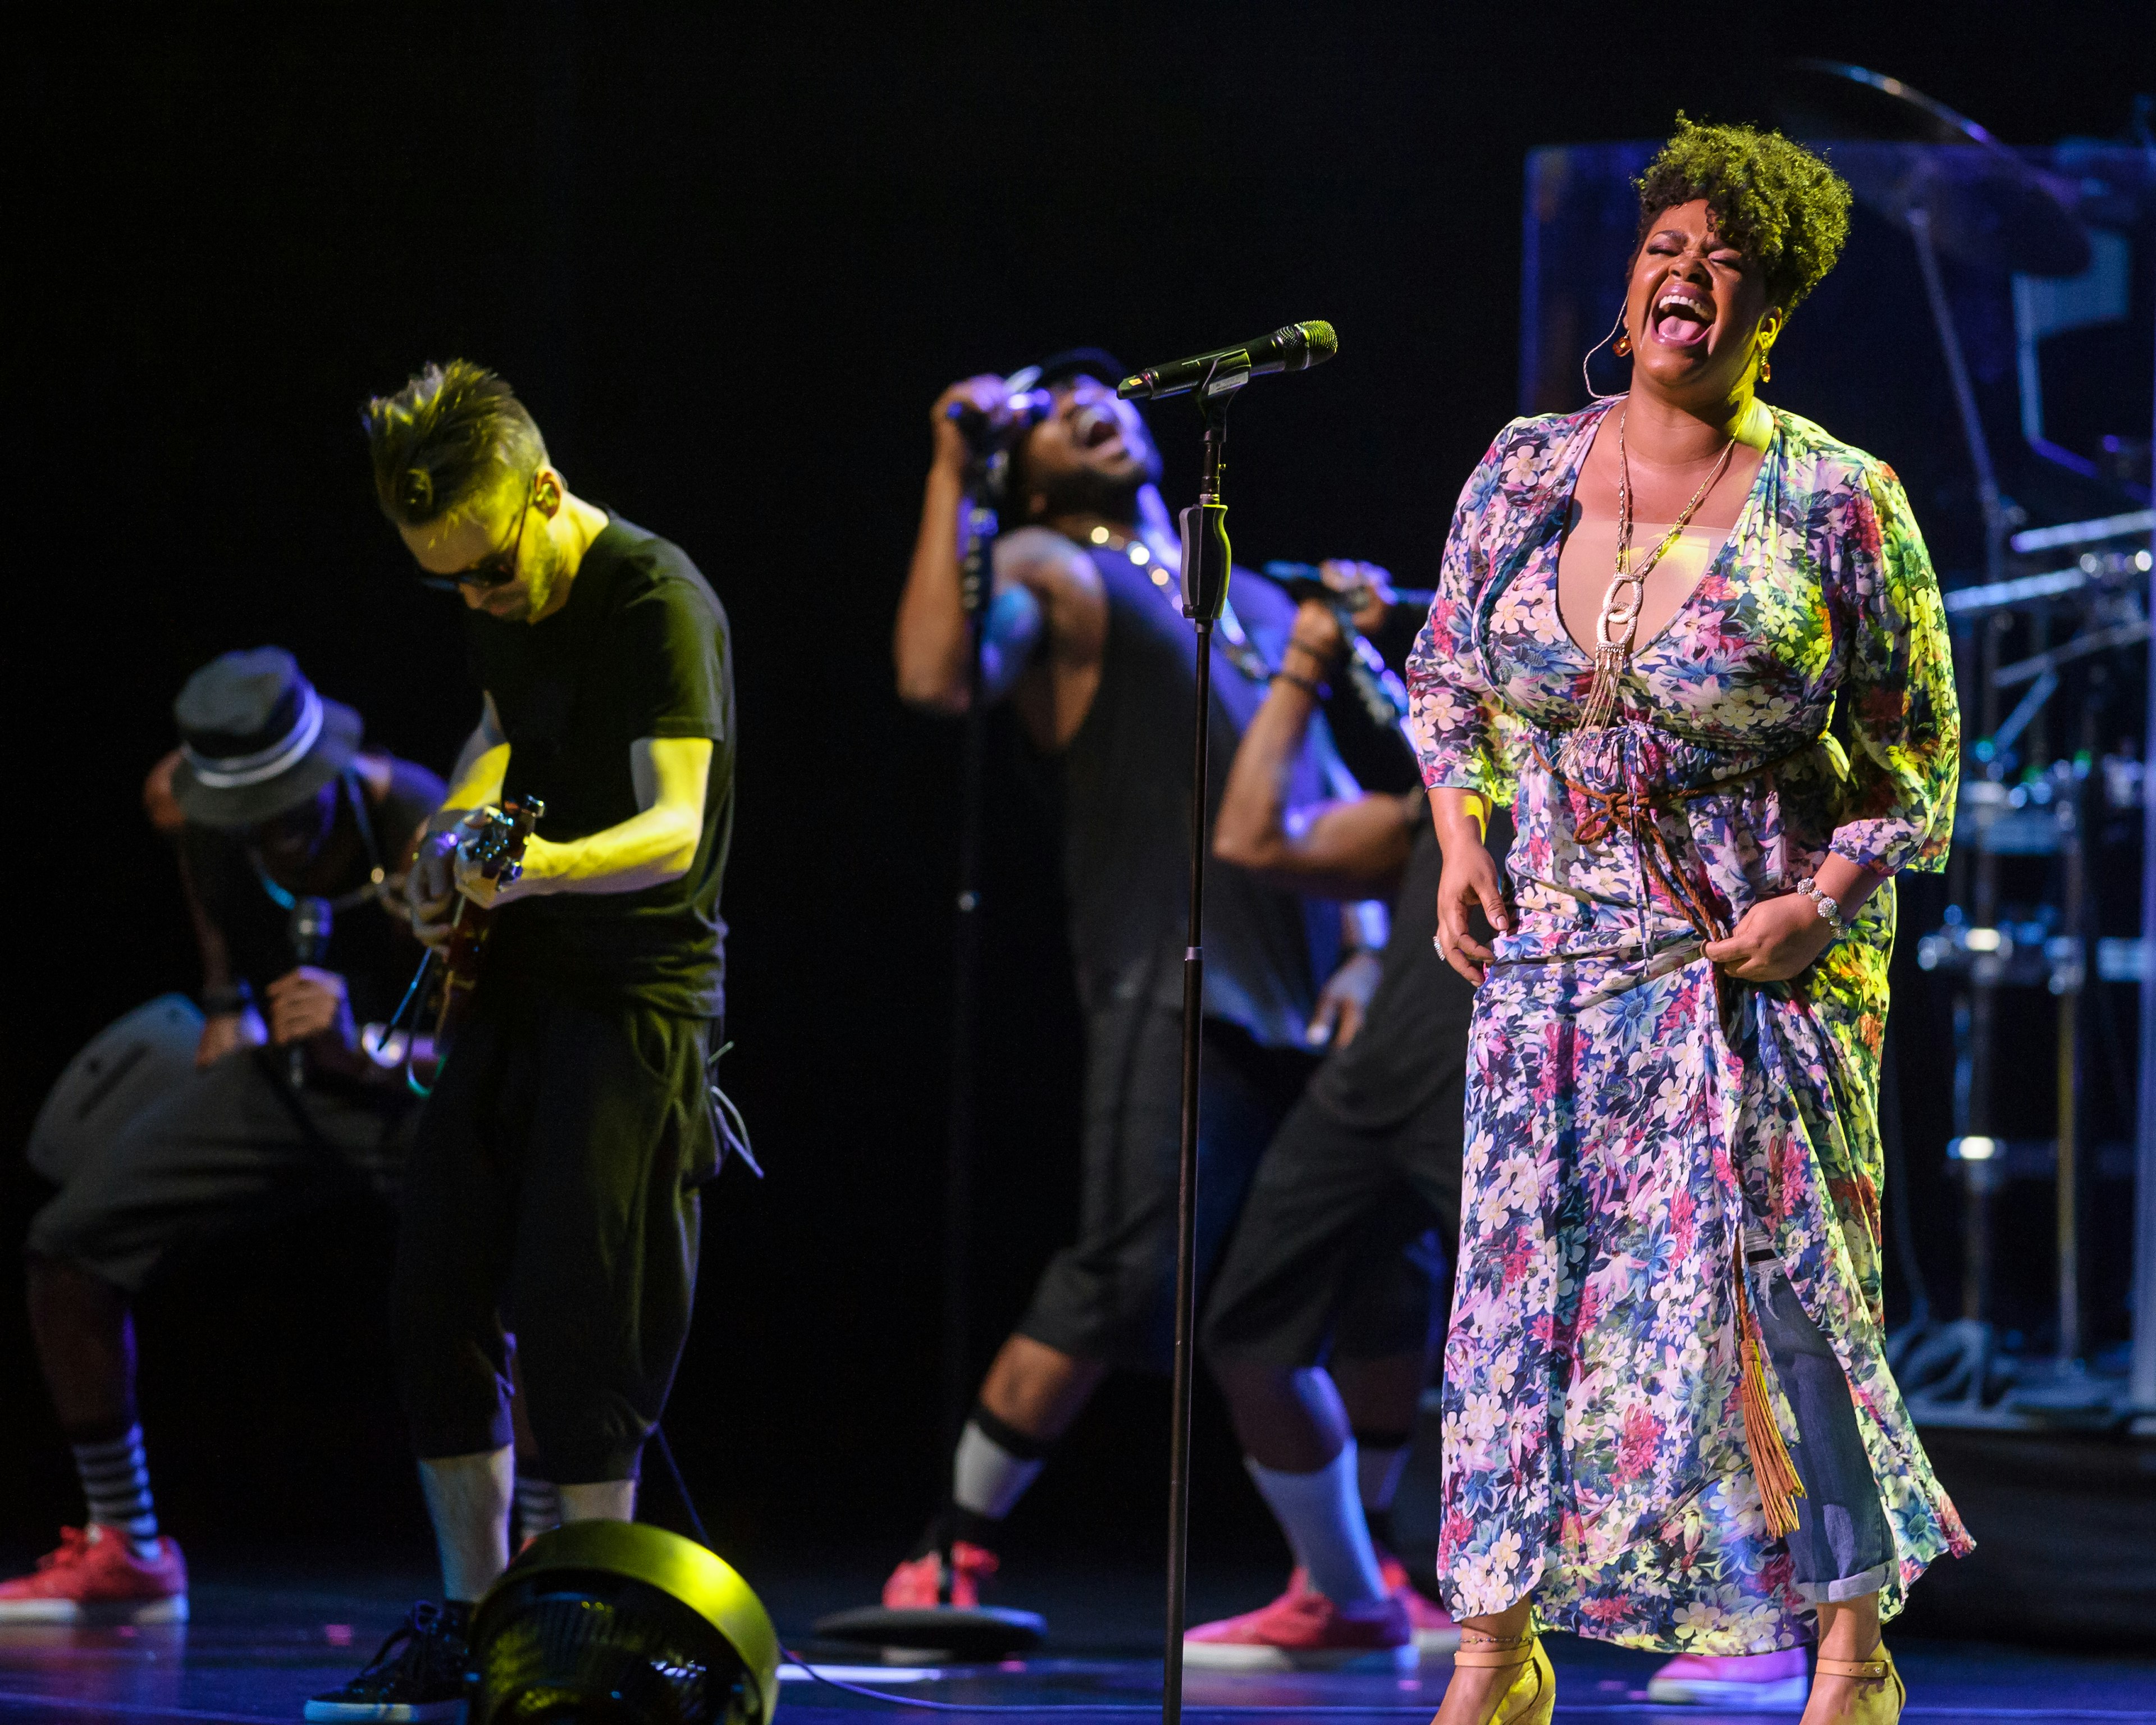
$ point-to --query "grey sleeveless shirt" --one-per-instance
(1127, 816)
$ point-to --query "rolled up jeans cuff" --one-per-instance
(1849, 1587)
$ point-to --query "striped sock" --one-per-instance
(115, 1481)
(538, 1506)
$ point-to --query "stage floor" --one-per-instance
(261, 1642)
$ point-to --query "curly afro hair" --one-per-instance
(1786, 209)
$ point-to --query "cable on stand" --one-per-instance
(1205, 566)
(1214, 378)
(979, 526)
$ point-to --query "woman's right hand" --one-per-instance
(1469, 883)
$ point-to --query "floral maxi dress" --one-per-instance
(1631, 1113)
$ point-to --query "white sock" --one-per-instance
(538, 1506)
(1377, 1474)
(986, 1478)
(116, 1483)
(467, 1499)
(1323, 1518)
(601, 1500)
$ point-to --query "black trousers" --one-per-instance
(1111, 1295)
(1333, 1250)
(553, 1185)
(222, 1150)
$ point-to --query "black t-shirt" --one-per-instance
(373, 952)
(1415, 1034)
(640, 649)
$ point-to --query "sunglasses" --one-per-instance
(497, 570)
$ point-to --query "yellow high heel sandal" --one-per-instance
(1877, 1674)
(1531, 1699)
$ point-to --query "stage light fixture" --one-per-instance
(614, 1623)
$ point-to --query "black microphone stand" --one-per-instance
(977, 527)
(1205, 566)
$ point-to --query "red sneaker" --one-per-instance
(929, 1580)
(96, 1577)
(1303, 1630)
(1757, 1680)
(1434, 1630)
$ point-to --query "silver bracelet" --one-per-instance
(1822, 901)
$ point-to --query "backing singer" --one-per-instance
(1086, 636)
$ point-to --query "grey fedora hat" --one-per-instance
(255, 739)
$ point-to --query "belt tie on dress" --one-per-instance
(1631, 810)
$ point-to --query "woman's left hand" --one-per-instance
(1774, 941)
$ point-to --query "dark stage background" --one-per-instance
(729, 258)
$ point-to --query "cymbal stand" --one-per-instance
(2141, 1385)
(2069, 956)
(1950, 1365)
(1964, 392)
(1974, 1011)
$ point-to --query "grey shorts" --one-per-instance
(1111, 1298)
(221, 1150)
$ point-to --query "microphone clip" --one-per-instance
(1207, 560)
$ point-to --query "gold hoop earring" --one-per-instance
(1622, 346)
(1766, 366)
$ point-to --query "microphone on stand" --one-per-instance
(1293, 348)
(309, 927)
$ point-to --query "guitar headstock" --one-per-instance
(496, 850)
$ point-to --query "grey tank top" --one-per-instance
(1127, 818)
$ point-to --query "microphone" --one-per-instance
(1303, 582)
(1293, 348)
(309, 927)
(1025, 409)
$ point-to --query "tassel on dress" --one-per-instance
(1775, 1473)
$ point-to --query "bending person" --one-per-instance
(270, 798)
(1669, 1420)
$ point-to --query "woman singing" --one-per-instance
(1698, 644)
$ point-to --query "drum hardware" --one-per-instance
(2011, 955)
(2119, 570)
(1965, 197)
(2134, 524)
(2024, 714)
(2100, 640)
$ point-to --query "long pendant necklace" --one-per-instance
(1618, 625)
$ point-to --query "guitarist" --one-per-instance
(555, 1175)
